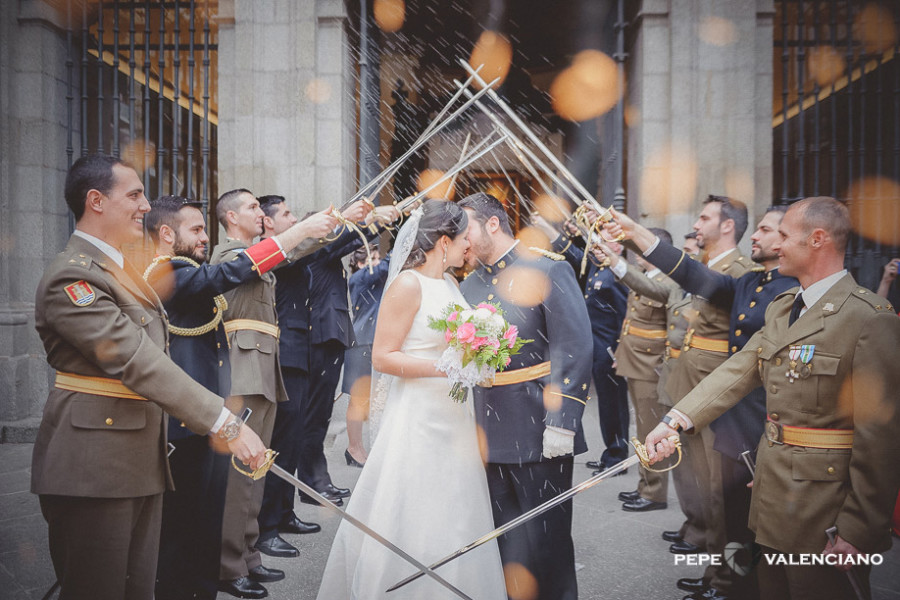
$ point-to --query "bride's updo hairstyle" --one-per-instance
(439, 218)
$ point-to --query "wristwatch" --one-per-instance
(674, 424)
(231, 430)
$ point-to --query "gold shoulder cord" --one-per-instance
(644, 457)
(221, 303)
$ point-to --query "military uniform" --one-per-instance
(831, 447)
(639, 357)
(738, 430)
(99, 462)
(606, 301)
(193, 512)
(706, 347)
(256, 383)
(513, 416)
(677, 306)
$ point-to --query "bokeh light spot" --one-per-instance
(553, 208)
(523, 285)
(494, 51)
(669, 181)
(533, 237)
(589, 87)
(520, 583)
(739, 185)
(826, 65)
(874, 28)
(441, 191)
(318, 91)
(717, 31)
(874, 204)
(389, 14)
(553, 398)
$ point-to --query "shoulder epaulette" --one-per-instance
(873, 299)
(547, 253)
(82, 260)
(758, 269)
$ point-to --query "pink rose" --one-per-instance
(510, 335)
(489, 307)
(508, 360)
(466, 333)
(479, 342)
(495, 344)
(448, 335)
(453, 316)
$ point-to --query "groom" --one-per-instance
(531, 418)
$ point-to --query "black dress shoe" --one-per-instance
(352, 461)
(683, 547)
(295, 525)
(598, 471)
(336, 500)
(643, 505)
(708, 594)
(336, 491)
(671, 536)
(593, 464)
(277, 547)
(243, 587)
(694, 586)
(264, 574)
(628, 496)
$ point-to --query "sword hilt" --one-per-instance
(644, 456)
(261, 471)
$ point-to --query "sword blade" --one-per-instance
(423, 570)
(534, 512)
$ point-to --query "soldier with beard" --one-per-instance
(190, 290)
(740, 428)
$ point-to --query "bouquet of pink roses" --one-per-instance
(482, 342)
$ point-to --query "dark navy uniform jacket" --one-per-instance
(311, 301)
(366, 290)
(513, 417)
(606, 299)
(741, 427)
(189, 303)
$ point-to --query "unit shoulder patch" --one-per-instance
(81, 293)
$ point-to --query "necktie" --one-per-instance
(796, 308)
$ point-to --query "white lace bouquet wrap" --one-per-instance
(480, 341)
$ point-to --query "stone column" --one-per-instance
(34, 225)
(286, 111)
(699, 108)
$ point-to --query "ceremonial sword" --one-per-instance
(271, 467)
(640, 456)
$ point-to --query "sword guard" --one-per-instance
(644, 457)
(261, 471)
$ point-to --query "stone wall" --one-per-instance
(34, 226)
(699, 116)
(286, 108)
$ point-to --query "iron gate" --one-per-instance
(836, 121)
(141, 85)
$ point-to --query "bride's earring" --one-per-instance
(445, 254)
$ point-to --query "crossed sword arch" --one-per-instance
(566, 185)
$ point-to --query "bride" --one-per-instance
(423, 486)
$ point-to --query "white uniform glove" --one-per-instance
(558, 442)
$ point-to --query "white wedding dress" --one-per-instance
(423, 487)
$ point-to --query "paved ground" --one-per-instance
(620, 554)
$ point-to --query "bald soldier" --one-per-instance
(828, 458)
(99, 463)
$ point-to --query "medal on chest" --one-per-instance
(800, 355)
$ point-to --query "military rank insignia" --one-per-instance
(81, 293)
